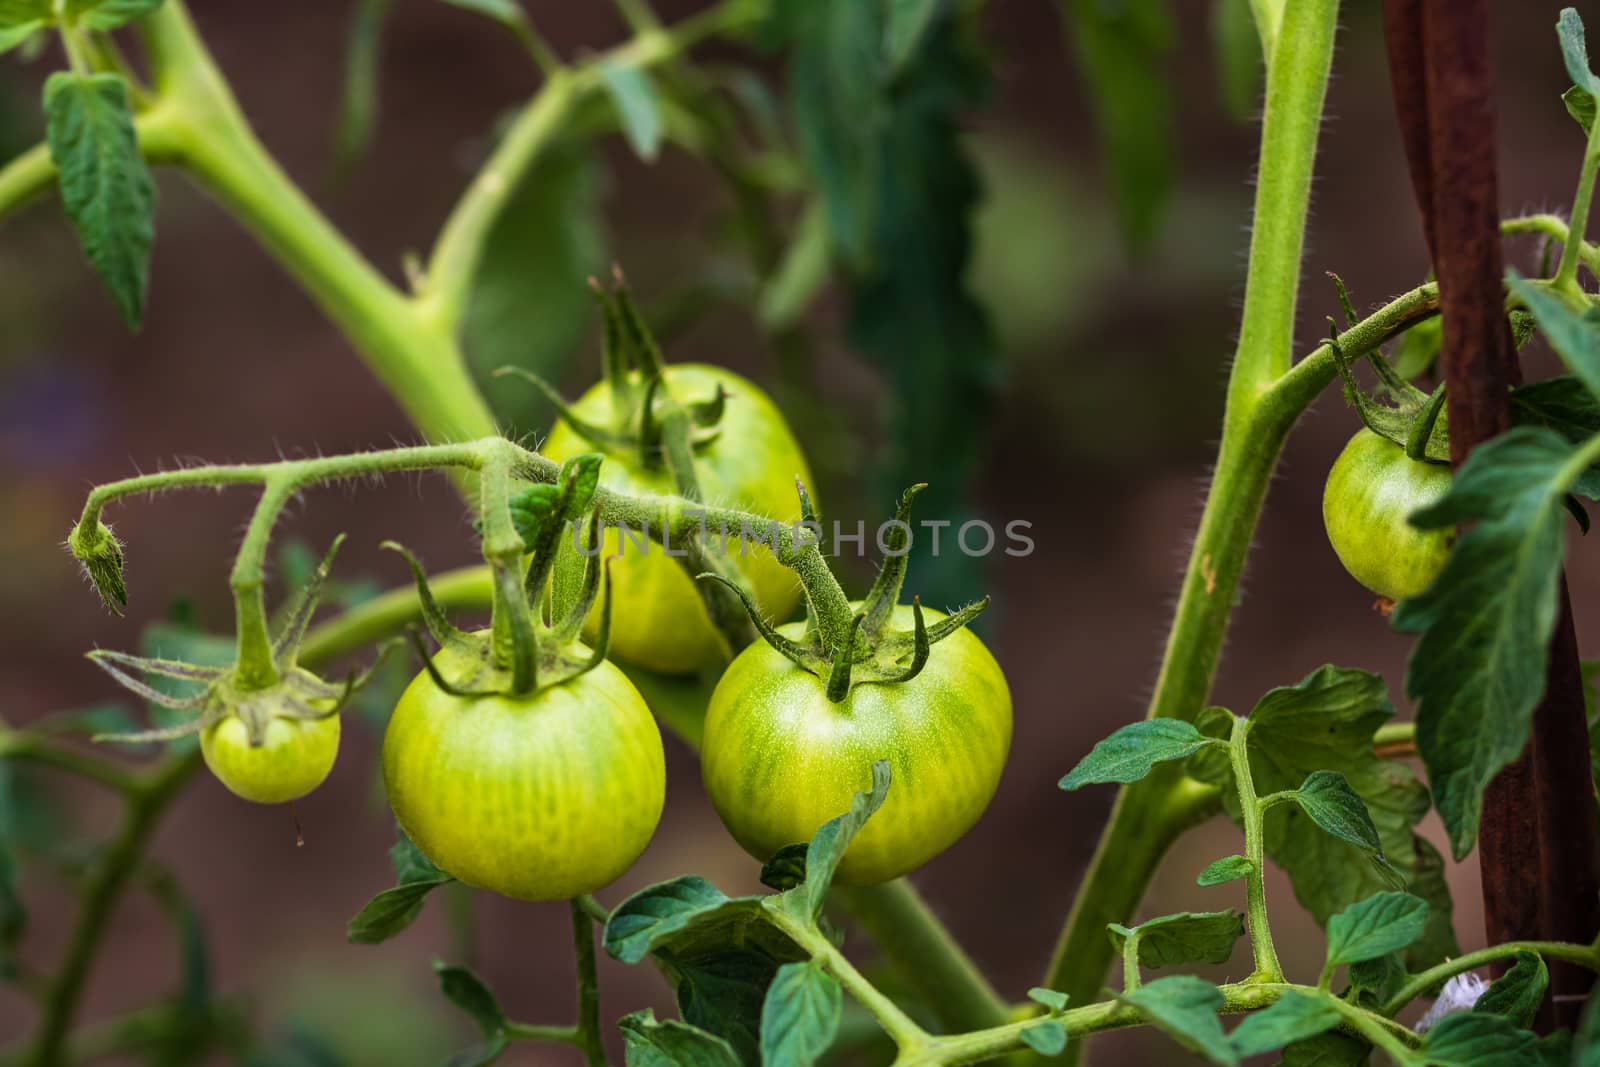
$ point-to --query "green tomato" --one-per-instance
(539, 797)
(294, 757)
(1373, 489)
(658, 620)
(780, 759)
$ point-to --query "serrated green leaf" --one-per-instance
(1048, 1038)
(1478, 670)
(1327, 1050)
(1050, 998)
(1185, 1009)
(1293, 1017)
(1516, 995)
(722, 992)
(831, 842)
(358, 100)
(1130, 753)
(1227, 869)
(1383, 923)
(1565, 405)
(1338, 810)
(1379, 976)
(1124, 53)
(466, 991)
(637, 104)
(108, 14)
(106, 188)
(1187, 937)
(1580, 105)
(800, 1015)
(908, 24)
(409, 864)
(391, 911)
(669, 913)
(670, 1043)
(1237, 47)
(1474, 1039)
(1574, 52)
(1574, 337)
(787, 869)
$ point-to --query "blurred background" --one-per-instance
(1108, 369)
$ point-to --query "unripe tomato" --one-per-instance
(294, 757)
(539, 797)
(658, 619)
(780, 759)
(1372, 490)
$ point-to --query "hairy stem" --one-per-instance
(1418, 984)
(1567, 272)
(1251, 811)
(589, 1034)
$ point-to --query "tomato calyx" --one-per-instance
(99, 552)
(647, 421)
(1402, 413)
(296, 693)
(865, 648)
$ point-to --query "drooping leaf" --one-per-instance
(1474, 1039)
(830, 843)
(1185, 1009)
(1237, 48)
(1478, 669)
(1187, 937)
(663, 911)
(637, 104)
(1050, 998)
(1293, 1017)
(1124, 51)
(800, 1015)
(1130, 753)
(106, 187)
(1326, 723)
(358, 102)
(1227, 869)
(722, 992)
(466, 991)
(391, 911)
(1383, 923)
(1516, 995)
(1338, 810)
(1048, 1038)
(670, 1043)
(1574, 52)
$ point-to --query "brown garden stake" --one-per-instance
(1536, 843)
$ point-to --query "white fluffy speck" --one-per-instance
(1459, 994)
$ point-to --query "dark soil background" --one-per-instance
(1101, 438)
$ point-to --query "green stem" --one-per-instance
(1566, 277)
(1130, 964)
(907, 1035)
(1556, 227)
(916, 944)
(1374, 1029)
(1418, 984)
(589, 1034)
(254, 661)
(29, 747)
(1250, 812)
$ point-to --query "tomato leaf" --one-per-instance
(480, 1055)
(1185, 1009)
(723, 991)
(1326, 722)
(1293, 1017)
(787, 869)
(1124, 51)
(1383, 923)
(908, 24)
(1379, 976)
(409, 864)
(1565, 405)
(1575, 337)
(106, 188)
(1332, 1049)
(1187, 937)
(1130, 753)
(466, 991)
(108, 14)
(829, 844)
(1478, 670)
(638, 106)
(1471, 1039)
(1338, 810)
(1050, 998)
(1580, 105)
(670, 1043)
(1227, 869)
(1516, 995)
(1574, 52)
(391, 911)
(1048, 1038)
(686, 911)
(800, 1015)
(20, 20)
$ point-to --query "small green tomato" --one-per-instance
(294, 757)
(1372, 491)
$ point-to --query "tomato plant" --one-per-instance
(644, 564)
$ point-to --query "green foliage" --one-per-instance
(638, 106)
(830, 843)
(1327, 1050)
(1574, 336)
(1295, 1016)
(106, 188)
(1124, 51)
(659, 914)
(800, 1015)
(1383, 923)
(1130, 753)
(908, 24)
(466, 991)
(1185, 1008)
(358, 103)
(1227, 869)
(1567, 406)
(1048, 1038)
(1478, 669)
(392, 910)
(107, 14)
(1326, 796)
(1516, 995)
(649, 1043)
(1049, 998)
(1187, 937)
(1237, 48)
(1472, 1039)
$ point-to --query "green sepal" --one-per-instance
(100, 554)
(885, 592)
(1398, 419)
